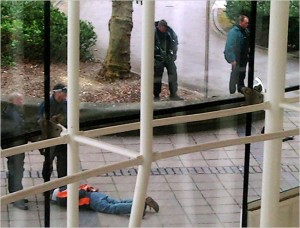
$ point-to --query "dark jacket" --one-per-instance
(12, 126)
(55, 109)
(171, 40)
(237, 45)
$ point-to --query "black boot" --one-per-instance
(175, 97)
(151, 203)
(20, 204)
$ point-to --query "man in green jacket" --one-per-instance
(236, 53)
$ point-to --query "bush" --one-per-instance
(22, 33)
(236, 8)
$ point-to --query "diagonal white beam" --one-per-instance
(290, 107)
(292, 100)
(106, 146)
(224, 143)
(178, 119)
(69, 179)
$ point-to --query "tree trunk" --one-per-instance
(117, 60)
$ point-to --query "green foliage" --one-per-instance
(88, 39)
(22, 33)
(236, 8)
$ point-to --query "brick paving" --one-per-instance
(173, 171)
(203, 189)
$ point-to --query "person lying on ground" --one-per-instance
(91, 198)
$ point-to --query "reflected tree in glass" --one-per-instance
(117, 60)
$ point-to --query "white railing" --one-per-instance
(130, 127)
(274, 107)
(136, 159)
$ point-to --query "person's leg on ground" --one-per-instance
(105, 204)
(126, 201)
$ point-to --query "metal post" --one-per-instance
(279, 14)
(73, 109)
(207, 48)
(147, 71)
(47, 104)
(249, 115)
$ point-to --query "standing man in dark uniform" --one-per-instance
(13, 125)
(237, 52)
(165, 54)
(58, 113)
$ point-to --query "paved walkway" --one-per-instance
(203, 189)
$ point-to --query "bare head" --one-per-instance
(243, 21)
(16, 99)
(162, 25)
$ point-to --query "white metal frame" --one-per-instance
(147, 72)
(274, 115)
(73, 110)
(273, 105)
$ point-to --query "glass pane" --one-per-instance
(191, 189)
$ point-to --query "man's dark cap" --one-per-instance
(60, 88)
(163, 23)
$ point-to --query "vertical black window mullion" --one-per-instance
(47, 101)
(249, 115)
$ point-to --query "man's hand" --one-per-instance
(59, 118)
(49, 129)
(174, 57)
(233, 64)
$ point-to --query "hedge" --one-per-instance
(22, 33)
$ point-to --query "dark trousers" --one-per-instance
(237, 77)
(60, 152)
(15, 165)
(105, 204)
(172, 77)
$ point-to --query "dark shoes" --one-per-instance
(21, 204)
(152, 204)
(176, 98)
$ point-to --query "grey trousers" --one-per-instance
(15, 165)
